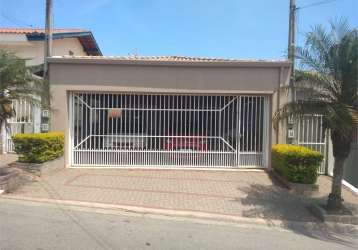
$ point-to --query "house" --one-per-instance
(29, 43)
(168, 111)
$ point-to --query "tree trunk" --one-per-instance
(335, 200)
(341, 149)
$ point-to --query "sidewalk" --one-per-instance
(6, 159)
(233, 193)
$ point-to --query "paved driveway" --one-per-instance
(250, 193)
(240, 193)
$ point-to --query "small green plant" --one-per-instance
(39, 147)
(295, 163)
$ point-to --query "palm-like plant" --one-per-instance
(16, 82)
(328, 83)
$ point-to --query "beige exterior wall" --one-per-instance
(166, 78)
(200, 78)
(279, 99)
(34, 50)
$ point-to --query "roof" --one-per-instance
(36, 30)
(85, 37)
(168, 60)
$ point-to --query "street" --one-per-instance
(30, 225)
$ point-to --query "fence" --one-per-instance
(119, 129)
(311, 134)
(21, 122)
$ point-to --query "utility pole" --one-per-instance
(290, 137)
(48, 36)
(291, 45)
(45, 98)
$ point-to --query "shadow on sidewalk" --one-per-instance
(275, 202)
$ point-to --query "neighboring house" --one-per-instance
(309, 132)
(28, 43)
(168, 111)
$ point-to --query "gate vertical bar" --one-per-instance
(71, 131)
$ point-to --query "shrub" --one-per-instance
(295, 163)
(38, 148)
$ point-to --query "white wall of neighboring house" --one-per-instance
(350, 168)
(34, 50)
(350, 175)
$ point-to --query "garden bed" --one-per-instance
(10, 179)
(298, 188)
(344, 216)
(40, 169)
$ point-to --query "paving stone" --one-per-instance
(250, 194)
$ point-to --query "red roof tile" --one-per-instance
(36, 30)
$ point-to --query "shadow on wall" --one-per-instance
(350, 167)
(275, 202)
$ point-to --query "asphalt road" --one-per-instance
(30, 225)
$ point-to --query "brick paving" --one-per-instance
(240, 193)
(324, 183)
(6, 159)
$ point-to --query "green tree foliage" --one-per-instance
(17, 82)
(328, 83)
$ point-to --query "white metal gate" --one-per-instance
(22, 122)
(311, 134)
(119, 129)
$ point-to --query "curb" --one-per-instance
(10, 179)
(322, 214)
(350, 187)
(183, 214)
(146, 210)
(297, 188)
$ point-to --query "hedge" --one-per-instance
(295, 163)
(39, 147)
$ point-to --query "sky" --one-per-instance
(245, 29)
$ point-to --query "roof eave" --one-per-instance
(94, 52)
(268, 64)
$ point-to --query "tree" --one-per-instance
(328, 83)
(16, 82)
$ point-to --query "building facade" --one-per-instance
(28, 43)
(165, 111)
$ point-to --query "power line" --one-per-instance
(308, 6)
(316, 4)
(14, 20)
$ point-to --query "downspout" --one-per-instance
(278, 103)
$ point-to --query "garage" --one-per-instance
(172, 112)
(168, 130)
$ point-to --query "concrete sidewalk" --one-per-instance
(250, 194)
(7, 158)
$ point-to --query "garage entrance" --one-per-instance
(121, 129)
